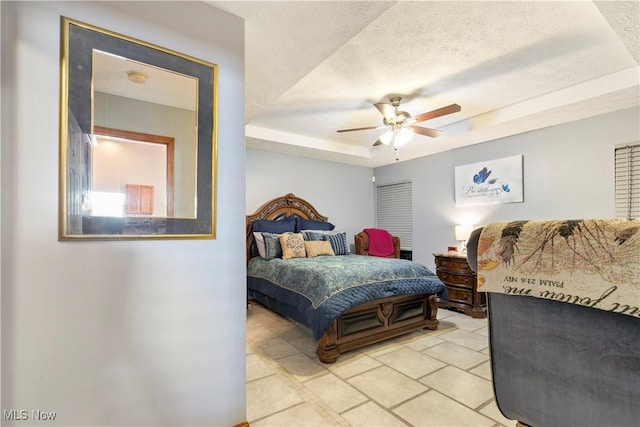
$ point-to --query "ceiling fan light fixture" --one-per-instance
(387, 137)
(401, 124)
(402, 136)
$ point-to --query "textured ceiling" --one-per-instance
(315, 67)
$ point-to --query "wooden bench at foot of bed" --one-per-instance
(377, 321)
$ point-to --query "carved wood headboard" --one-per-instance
(279, 208)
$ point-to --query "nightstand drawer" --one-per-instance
(453, 264)
(459, 295)
(456, 279)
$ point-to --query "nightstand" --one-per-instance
(462, 285)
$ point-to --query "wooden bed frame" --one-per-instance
(364, 324)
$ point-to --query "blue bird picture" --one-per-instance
(481, 176)
(506, 188)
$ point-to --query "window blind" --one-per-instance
(395, 213)
(627, 178)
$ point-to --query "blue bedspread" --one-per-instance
(320, 289)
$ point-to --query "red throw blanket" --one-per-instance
(380, 242)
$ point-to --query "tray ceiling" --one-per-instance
(315, 67)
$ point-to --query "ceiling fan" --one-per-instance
(401, 124)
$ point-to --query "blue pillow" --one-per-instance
(309, 224)
(272, 247)
(310, 235)
(282, 226)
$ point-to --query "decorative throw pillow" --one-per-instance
(313, 235)
(259, 239)
(272, 248)
(338, 243)
(318, 248)
(292, 246)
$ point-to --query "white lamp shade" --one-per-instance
(397, 137)
(387, 137)
(402, 137)
(463, 232)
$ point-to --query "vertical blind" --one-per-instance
(627, 160)
(395, 213)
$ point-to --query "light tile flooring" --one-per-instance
(426, 378)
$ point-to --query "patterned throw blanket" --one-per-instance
(318, 279)
(594, 263)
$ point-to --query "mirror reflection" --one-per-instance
(130, 175)
(144, 139)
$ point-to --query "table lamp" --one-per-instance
(462, 234)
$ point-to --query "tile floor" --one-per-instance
(426, 378)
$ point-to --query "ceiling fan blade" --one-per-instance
(453, 108)
(433, 133)
(365, 128)
(387, 110)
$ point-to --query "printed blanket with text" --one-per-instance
(590, 262)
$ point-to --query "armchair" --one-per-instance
(362, 245)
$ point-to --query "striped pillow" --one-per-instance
(338, 243)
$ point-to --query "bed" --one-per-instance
(368, 299)
(564, 319)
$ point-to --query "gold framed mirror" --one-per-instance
(138, 146)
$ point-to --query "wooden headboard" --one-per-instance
(279, 208)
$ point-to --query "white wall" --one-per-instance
(342, 192)
(130, 332)
(568, 173)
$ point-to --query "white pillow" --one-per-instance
(260, 243)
